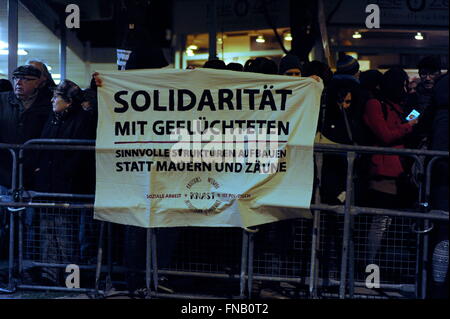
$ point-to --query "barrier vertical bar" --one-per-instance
(314, 268)
(110, 264)
(425, 241)
(251, 245)
(20, 244)
(347, 224)
(21, 187)
(11, 251)
(351, 268)
(99, 256)
(351, 264)
(11, 222)
(154, 260)
(148, 278)
(244, 255)
(21, 218)
(315, 235)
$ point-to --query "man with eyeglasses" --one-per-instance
(22, 116)
(422, 100)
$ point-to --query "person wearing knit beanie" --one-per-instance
(290, 65)
(347, 65)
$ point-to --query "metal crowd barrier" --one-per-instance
(291, 252)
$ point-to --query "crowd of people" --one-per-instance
(368, 108)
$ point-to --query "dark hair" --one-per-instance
(429, 63)
(70, 92)
(215, 64)
(336, 92)
(90, 96)
(289, 61)
(5, 85)
(320, 69)
(233, 66)
(370, 79)
(261, 65)
(393, 83)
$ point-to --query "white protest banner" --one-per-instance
(204, 147)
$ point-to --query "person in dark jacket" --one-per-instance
(385, 118)
(422, 101)
(69, 172)
(347, 71)
(439, 192)
(341, 124)
(57, 171)
(22, 116)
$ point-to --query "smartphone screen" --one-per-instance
(413, 115)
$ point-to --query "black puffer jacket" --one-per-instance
(67, 171)
(17, 126)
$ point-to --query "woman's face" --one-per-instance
(406, 86)
(59, 104)
(346, 102)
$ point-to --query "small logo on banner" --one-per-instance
(200, 200)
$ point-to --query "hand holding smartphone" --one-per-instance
(414, 115)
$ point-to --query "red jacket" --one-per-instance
(389, 132)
